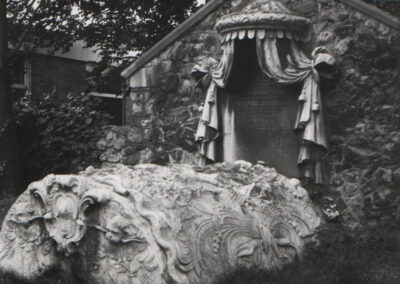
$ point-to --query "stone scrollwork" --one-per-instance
(153, 224)
(26, 248)
(62, 209)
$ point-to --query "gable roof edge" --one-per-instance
(210, 7)
(374, 12)
(171, 37)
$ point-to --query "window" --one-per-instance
(112, 105)
(20, 76)
(105, 83)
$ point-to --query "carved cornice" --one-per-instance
(263, 18)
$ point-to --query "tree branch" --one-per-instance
(27, 30)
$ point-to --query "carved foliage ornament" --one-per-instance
(151, 224)
(63, 209)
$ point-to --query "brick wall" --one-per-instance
(55, 73)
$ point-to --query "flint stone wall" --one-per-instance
(363, 115)
(363, 106)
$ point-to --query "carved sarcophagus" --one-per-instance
(153, 224)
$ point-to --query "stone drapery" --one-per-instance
(310, 115)
(208, 129)
(299, 69)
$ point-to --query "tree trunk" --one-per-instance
(11, 175)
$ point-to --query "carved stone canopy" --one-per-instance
(263, 18)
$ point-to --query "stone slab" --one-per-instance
(264, 118)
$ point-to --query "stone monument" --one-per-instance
(263, 102)
(264, 116)
(152, 224)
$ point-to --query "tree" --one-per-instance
(131, 25)
(10, 163)
(115, 27)
(41, 23)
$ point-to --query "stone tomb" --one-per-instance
(262, 127)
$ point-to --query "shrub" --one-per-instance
(59, 137)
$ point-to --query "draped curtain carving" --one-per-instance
(208, 129)
(299, 68)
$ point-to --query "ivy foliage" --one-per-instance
(59, 137)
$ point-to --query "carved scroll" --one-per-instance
(152, 224)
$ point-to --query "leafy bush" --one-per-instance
(59, 137)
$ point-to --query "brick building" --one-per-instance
(41, 72)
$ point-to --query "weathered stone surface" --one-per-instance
(137, 108)
(363, 117)
(111, 156)
(5, 205)
(264, 116)
(119, 144)
(153, 224)
(396, 176)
